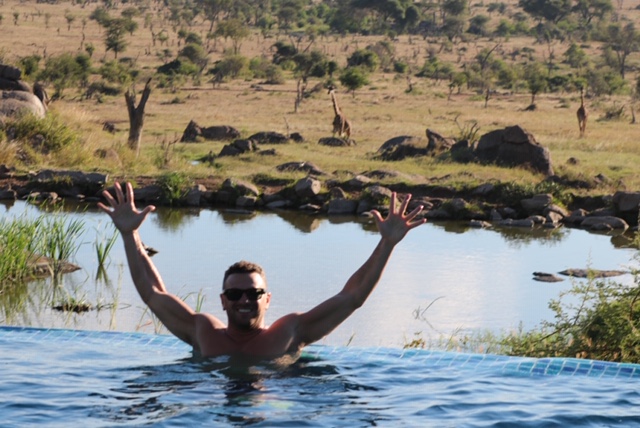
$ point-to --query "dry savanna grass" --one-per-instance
(380, 111)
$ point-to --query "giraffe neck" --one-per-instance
(336, 109)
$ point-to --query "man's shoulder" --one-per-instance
(208, 321)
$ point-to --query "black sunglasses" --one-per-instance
(234, 294)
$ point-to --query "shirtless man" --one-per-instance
(244, 291)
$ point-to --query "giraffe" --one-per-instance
(341, 124)
(582, 114)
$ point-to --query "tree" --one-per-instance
(354, 78)
(65, 71)
(623, 41)
(535, 76)
(546, 10)
(212, 9)
(576, 57)
(114, 37)
(364, 58)
(233, 29)
(69, 18)
(586, 10)
(136, 115)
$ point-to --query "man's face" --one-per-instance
(245, 313)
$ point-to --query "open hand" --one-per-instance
(123, 210)
(397, 223)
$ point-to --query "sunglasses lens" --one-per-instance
(234, 294)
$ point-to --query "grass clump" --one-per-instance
(23, 241)
(174, 187)
(43, 135)
(18, 248)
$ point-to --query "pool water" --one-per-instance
(55, 377)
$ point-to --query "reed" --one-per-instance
(103, 247)
(18, 248)
(58, 240)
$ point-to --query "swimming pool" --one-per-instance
(63, 378)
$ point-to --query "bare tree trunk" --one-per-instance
(136, 115)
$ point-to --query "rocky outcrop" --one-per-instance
(18, 97)
(513, 146)
(194, 132)
(269, 137)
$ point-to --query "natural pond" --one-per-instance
(442, 279)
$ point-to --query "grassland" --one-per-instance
(382, 110)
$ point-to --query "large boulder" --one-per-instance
(403, 139)
(514, 146)
(193, 132)
(18, 97)
(438, 143)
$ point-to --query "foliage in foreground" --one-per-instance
(596, 319)
(603, 324)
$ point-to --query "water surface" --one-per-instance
(443, 278)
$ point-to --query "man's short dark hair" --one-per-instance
(244, 266)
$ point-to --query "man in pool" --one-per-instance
(244, 291)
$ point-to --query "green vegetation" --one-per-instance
(24, 241)
(174, 187)
(595, 319)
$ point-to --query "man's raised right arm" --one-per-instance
(175, 314)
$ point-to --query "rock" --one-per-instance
(403, 139)
(13, 103)
(594, 273)
(602, 221)
(546, 277)
(407, 149)
(240, 187)
(358, 182)
(626, 201)
(308, 187)
(342, 206)
(246, 201)
(269, 137)
(537, 203)
(336, 142)
(479, 224)
(513, 146)
(437, 143)
(8, 195)
(307, 167)
(194, 195)
(238, 147)
(223, 132)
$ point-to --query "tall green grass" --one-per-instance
(17, 248)
(23, 240)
